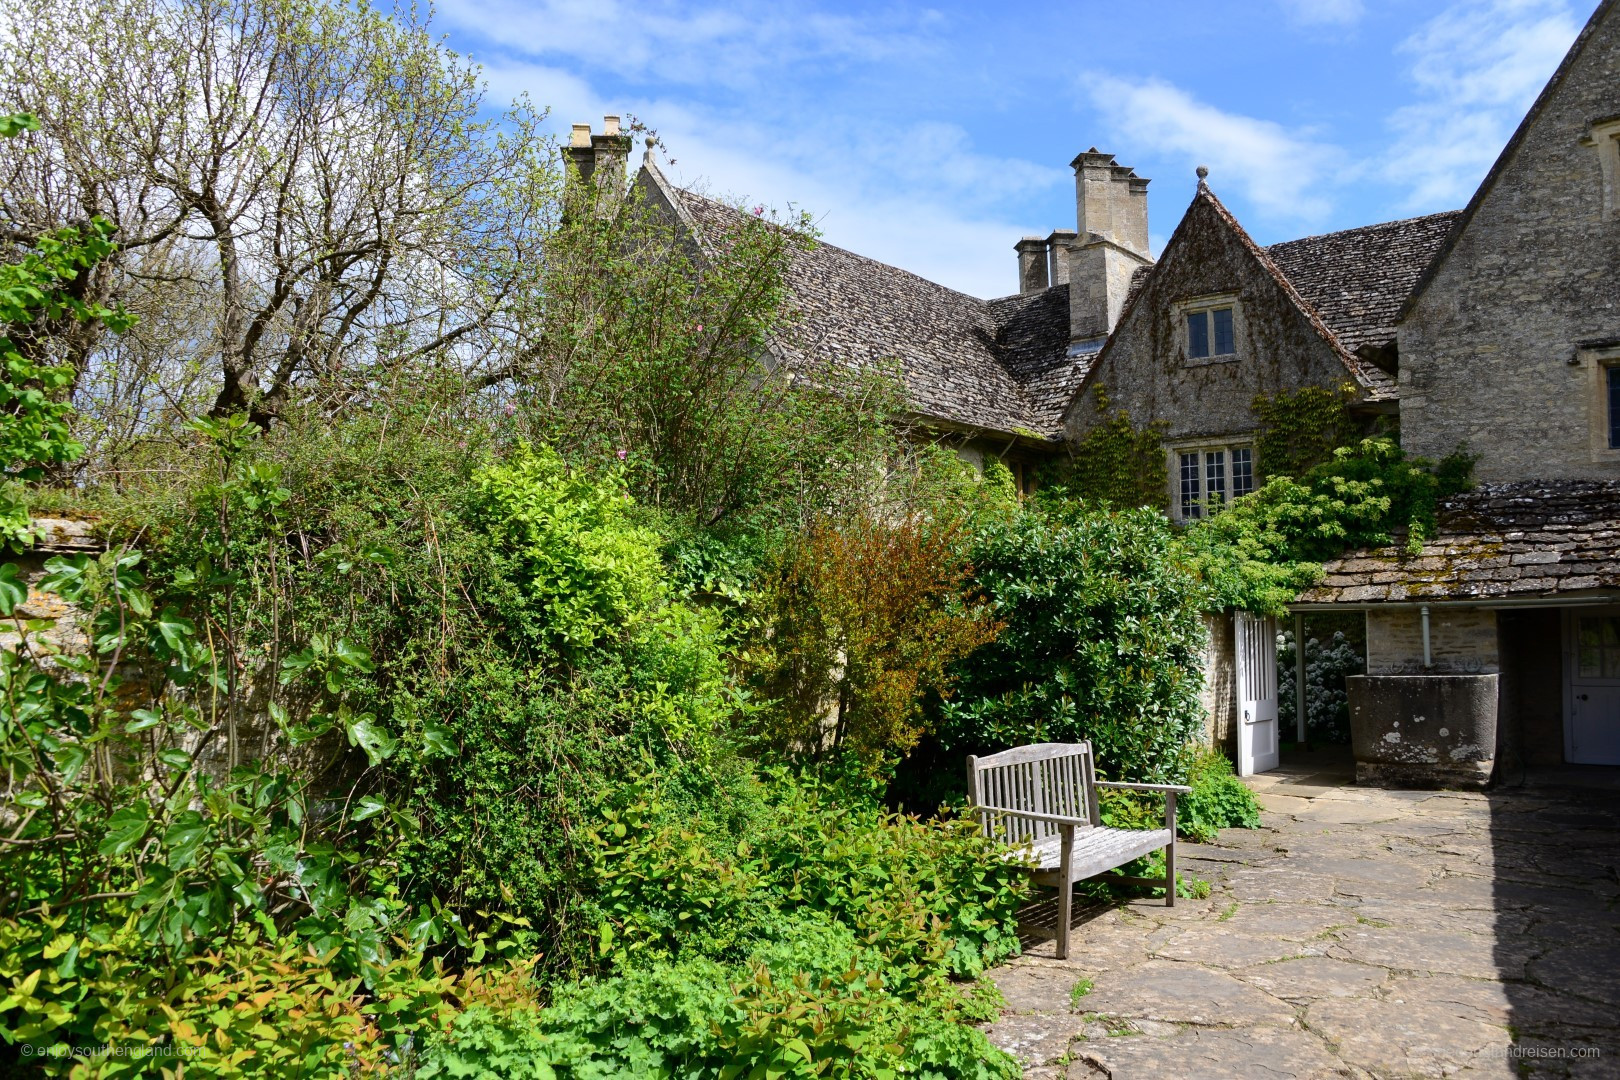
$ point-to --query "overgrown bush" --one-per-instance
(866, 618)
(1102, 641)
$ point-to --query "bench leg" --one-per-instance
(1065, 904)
(1170, 850)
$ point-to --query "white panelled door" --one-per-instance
(1592, 722)
(1256, 641)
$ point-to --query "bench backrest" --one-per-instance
(1045, 778)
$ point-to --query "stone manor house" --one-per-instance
(1495, 328)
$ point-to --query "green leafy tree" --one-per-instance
(663, 348)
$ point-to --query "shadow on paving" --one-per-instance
(1555, 896)
(1359, 933)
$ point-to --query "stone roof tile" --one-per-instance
(1358, 279)
(1523, 539)
(1000, 365)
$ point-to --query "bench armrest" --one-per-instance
(1030, 815)
(1119, 786)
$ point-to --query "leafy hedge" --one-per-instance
(1102, 640)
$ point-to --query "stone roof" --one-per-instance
(997, 365)
(1358, 279)
(1032, 342)
(1351, 284)
(1520, 540)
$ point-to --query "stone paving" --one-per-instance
(1358, 933)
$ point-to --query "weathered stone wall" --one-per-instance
(57, 623)
(1462, 641)
(1487, 350)
(1144, 369)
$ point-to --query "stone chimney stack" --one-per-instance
(1033, 272)
(1058, 246)
(1111, 207)
(601, 159)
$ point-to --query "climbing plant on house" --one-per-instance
(1115, 462)
(1300, 429)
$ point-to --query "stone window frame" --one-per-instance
(1599, 358)
(1224, 445)
(1210, 302)
(1604, 136)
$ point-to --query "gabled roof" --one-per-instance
(1374, 382)
(1357, 280)
(1349, 285)
(1312, 259)
(998, 366)
(1604, 9)
(1515, 540)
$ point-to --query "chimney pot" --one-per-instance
(581, 135)
(1058, 246)
(610, 125)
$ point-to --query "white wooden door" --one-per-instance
(1256, 641)
(1592, 724)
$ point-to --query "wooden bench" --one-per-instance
(1044, 798)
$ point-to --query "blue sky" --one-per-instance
(934, 136)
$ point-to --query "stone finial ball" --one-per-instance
(1203, 172)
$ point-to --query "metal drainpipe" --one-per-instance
(1299, 676)
(1424, 611)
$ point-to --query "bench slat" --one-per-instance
(1030, 795)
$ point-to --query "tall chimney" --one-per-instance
(612, 149)
(600, 160)
(1033, 275)
(1111, 207)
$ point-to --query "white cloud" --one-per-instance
(916, 195)
(1478, 65)
(673, 41)
(1324, 12)
(1283, 174)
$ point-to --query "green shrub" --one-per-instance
(579, 569)
(1103, 641)
(1218, 800)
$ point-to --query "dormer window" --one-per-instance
(1210, 328)
(1209, 333)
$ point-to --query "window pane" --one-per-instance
(1215, 475)
(1190, 506)
(1198, 334)
(1224, 343)
(1614, 406)
(1242, 471)
(1598, 638)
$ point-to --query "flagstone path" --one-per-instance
(1358, 933)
